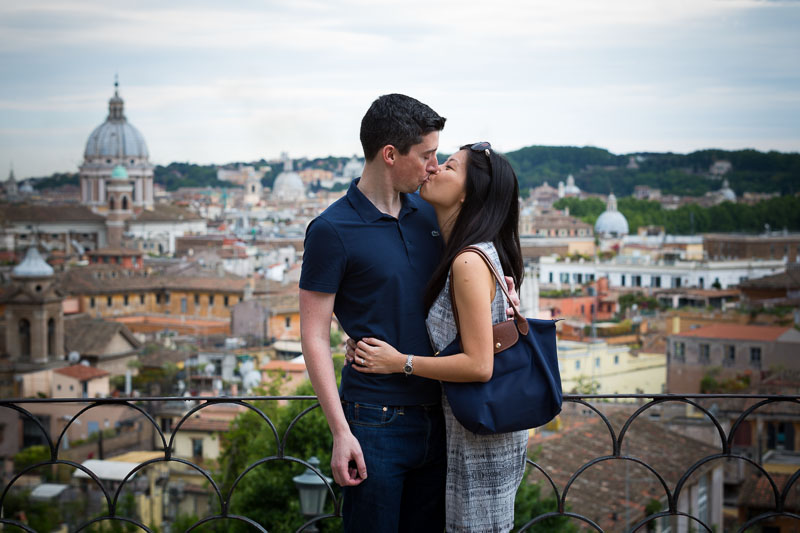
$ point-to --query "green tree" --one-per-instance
(529, 504)
(267, 493)
(32, 455)
(40, 516)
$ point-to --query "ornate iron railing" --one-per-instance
(723, 423)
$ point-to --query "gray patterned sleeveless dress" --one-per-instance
(483, 471)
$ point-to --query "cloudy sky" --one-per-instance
(209, 81)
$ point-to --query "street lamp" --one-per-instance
(313, 492)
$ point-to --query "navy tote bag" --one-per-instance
(525, 389)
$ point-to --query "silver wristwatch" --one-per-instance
(408, 368)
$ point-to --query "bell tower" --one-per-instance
(120, 199)
(34, 317)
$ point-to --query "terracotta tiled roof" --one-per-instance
(756, 492)
(736, 332)
(49, 213)
(206, 424)
(82, 372)
(91, 336)
(164, 212)
(115, 251)
(84, 281)
(605, 490)
(790, 279)
(286, 366)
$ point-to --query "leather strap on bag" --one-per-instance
(505, 334)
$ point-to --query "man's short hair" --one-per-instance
(398, 120)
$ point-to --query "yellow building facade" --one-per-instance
(181, 302)
(606, 369)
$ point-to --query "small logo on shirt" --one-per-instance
(434, 233)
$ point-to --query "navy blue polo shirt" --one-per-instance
(377, 266)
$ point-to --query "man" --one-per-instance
(368, 258)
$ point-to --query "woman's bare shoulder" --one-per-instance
(470, 265)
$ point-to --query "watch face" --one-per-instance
(408, 368)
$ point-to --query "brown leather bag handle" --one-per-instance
(505, 334)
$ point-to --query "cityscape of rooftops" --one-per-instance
(162, 163)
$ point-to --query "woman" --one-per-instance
(475, 196)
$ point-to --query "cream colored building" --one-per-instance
(614, 369)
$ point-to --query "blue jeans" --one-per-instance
(406, 456)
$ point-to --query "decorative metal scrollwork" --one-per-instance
(671, 494)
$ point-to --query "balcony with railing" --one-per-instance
(660, 463)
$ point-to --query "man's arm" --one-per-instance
(316, 309)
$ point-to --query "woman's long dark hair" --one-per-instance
(490, 213)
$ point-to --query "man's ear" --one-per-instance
(389, 154)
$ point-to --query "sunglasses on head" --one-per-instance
(484, 147)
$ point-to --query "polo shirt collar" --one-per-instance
(367, 210)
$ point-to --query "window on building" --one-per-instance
(583, 308)
(141, 299)
(616, 359)
(166, 424)
(31, 432)
(91, 302)
(730, 355)
(577, 277)
(701, 282)
(210, 299)
(702, 499)
(597, 362)
(183, 306)
(226, 300)
(158, 298)
(550, 277)
(578, 364)
(622, 280)
(655, 281)
(636, 281)
(166, 297)
(197, 448)
(288, 322)
(755, 357)
(125, 299)
(196, 299)
(564, 277)
(705, 354)
(108, 301)
(680, 351)
(780, 436)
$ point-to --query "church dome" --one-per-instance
(288, 185)
(611, 223)
(353, 169)
(727, 193)
(32, 266)
(119, 173)
(116, 137)
(571, 188)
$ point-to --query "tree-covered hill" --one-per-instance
(781, 212)
(595, 170)
(600, 171)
